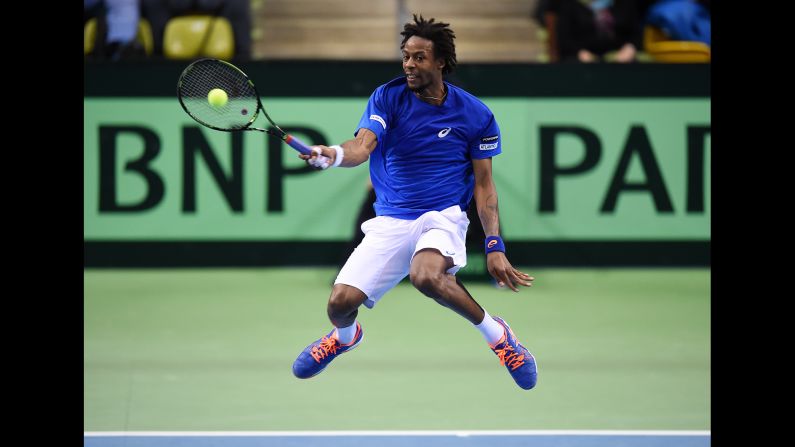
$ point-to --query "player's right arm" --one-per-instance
(356, 151)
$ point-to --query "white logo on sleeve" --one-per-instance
(379, 119)
(489, 143)
(443, 133)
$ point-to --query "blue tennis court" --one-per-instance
(404, 439)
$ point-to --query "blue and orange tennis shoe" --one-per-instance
(317, 356)
(520, 363)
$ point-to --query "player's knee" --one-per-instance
(428, 283)
(341, 303)
(338, 306)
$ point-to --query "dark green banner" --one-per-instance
(604, 164)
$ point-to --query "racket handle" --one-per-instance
(298, 145)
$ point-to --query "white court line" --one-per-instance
(461, 433)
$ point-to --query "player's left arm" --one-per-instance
(486, 201)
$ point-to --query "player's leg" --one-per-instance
(347, 333)
(433, 274)
(374, 267)
(343, 304)
(429, 275)
(342, 309)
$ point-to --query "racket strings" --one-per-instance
(203, 76)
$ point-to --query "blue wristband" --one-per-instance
(494, 243)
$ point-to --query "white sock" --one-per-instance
(345, 334)
(491, 330)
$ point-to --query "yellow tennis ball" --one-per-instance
(217, 98)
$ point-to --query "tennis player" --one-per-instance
(430, 146)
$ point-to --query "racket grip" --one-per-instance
(298, 145)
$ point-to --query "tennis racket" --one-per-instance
(236, 111)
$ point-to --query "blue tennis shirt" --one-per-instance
(423, 160)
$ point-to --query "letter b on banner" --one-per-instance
(108, 191)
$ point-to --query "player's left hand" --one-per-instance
(504, 273)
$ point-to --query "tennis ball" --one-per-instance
(217, 98)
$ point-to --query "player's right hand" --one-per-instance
(322, 157)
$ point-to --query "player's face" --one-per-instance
(422, 69)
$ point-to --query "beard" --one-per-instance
(419, 86)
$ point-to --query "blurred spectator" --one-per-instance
(587, 30)
(238, 12)
(117, 27)
(544, 15)
(541, 8)
(687, 20)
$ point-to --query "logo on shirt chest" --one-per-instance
(443, 133)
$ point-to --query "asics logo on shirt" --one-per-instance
(443, 133)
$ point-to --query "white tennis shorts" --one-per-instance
(384, 256)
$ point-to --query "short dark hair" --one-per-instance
(437, 32)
